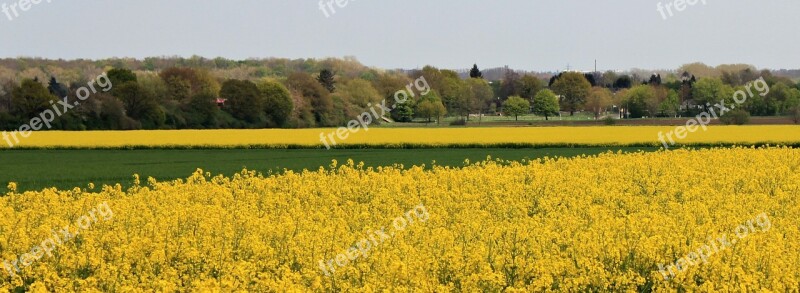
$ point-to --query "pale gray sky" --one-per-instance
(524, 34)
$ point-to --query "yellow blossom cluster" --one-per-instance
(599, 223)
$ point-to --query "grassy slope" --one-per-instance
(37, 169)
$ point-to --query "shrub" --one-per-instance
(735, 117)
(459, 122)
(609, 121)
(795, 112)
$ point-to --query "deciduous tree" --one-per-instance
(516, 106)
(244, 100)
(573, 88)
(278, 103)
(598, 101)
(545, 104)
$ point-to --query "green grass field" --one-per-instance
(65, 169)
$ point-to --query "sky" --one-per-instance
(532, 35)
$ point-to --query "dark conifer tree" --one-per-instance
(326, 79)
(475, 72)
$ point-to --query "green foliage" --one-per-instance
(511, 85)
(671, 106)
(711, 91)
(762, 106)
(546, 104)
(170, 91)
(529, 86)
(430, 106)
(119, 76)
(388, 84)
(792, 102)
(635, 100)
(598, 100)
(178, 89)
(623, 82)
(29, 99)
(278, 103)
(112, 115)
(134, 99)
(573, 88)
(183, 83)
(451, 89)
(319, 98)
(203, 111)
(516, 106)
(244, 100)
(403, 113)
(479, 95)
(784, 96)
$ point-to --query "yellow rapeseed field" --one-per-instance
(382, 137)
(601, 223)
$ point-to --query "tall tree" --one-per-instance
(278, 104)
(203, 108)
(57, 89)
(671, 106)
(29, 99)
(326, 79)
(449, 86)
(480, 94)
(530, 86)
(573, 88)
(139, 105)
(316, 96)
(635, 100)
(182, 82)
(608, 78)
(244, 100)
(430, 106)
(655, 79)
(711, 91)
(388, 84)
(511, 85)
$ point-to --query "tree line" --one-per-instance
(303, 94)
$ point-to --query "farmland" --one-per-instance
(613, 222)
(67, 159)
(65, 169)
(515, 209)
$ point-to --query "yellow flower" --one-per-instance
(594, 223)
(12, 186)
